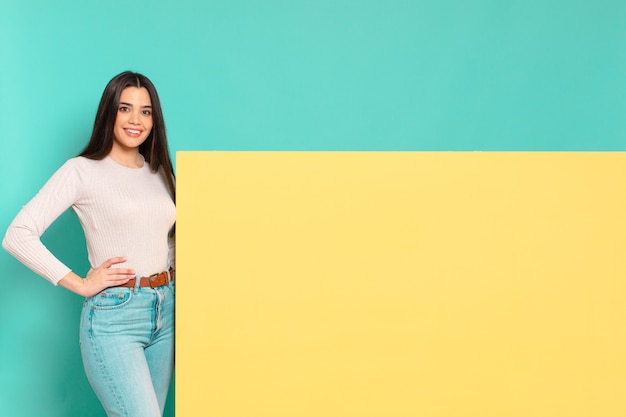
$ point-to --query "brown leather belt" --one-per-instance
(153, 281)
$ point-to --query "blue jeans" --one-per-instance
(127, 345)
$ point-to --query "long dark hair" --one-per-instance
(154, 149)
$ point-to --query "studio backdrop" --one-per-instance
(247, 75)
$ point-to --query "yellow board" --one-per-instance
(387, 284)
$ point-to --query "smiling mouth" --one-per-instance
(133, 132)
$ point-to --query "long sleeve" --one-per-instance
(123, 211)
(23, 237)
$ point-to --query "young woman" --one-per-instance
(122, 188)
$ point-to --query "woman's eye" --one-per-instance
(147, 112)
(124, 109)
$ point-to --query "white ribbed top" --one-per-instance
(124, 212)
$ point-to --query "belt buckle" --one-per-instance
(152, 278)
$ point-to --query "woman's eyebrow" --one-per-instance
(147, 106)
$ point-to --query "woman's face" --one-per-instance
(134, 118)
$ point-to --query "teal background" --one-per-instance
(280, 75)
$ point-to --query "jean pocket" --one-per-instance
(111, 298)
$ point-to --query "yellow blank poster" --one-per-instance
(401, 284)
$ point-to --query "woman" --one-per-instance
(122, 188)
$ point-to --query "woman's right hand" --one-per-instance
(99, 278)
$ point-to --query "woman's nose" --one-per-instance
(134, 117)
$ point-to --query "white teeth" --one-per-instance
(134, 132)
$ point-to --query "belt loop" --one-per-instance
(169, 276)
(137, 284)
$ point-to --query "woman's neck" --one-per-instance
(130, 159)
